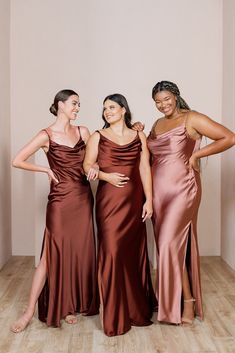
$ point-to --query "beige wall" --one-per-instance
(99, 48)
(5, 138)
(228, 158)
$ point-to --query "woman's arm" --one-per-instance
(116, 179)
(20, 160)
(146, 178)
(94, 170)
(85, 133)
(91, 153)
(202, 125)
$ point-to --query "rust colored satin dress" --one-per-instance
(71, 285)
(126, 292)
(176, 198)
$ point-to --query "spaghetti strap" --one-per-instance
(186, 118)
(47, 132)
(152, 131)
(100, 135)
(80, 135)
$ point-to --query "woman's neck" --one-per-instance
(62, 123)
(119, 128)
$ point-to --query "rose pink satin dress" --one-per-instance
(176, 198)
(126, 291)
(69, 242)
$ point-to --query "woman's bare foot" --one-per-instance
(188, 312)
(71, 319)
(21, 324)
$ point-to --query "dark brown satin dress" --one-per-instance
(71, 285)
(126, 292)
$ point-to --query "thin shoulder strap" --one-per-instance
(79, 131)
(47, 130)
(100, 135)
(186, 118)
(152, 132)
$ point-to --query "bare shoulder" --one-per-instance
(95, 137)
(142, 135)
(84, 130)
(42, 136)
(40, 140)
(157, 121)
(85, 133)
(143, 139)
(193, 115)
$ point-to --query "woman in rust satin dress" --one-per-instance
(174, 144)
(65, 279)
(122, 205)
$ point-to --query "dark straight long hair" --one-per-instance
(121, 100)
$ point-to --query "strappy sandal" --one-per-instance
(185, 320)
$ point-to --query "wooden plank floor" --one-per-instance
(216, 334)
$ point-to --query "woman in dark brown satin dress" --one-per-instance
(64, 282)
(123, 202)
(174, 143)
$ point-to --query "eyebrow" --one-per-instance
(157, 100)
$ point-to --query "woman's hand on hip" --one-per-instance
(51, 176)
(194, 163)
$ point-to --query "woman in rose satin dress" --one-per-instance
(65, 281)
(174, 143)
(123, 202)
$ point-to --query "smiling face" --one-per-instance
(113, 112)
(166, 103)
(70, 107)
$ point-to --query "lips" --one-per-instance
(167, 110)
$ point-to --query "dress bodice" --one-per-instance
(172, 145)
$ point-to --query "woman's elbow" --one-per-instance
(85, 167)
(18, 162)
(231, 140)
(15, 163)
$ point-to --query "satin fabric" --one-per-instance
(126, 292)
(176, 198)
(69, 242)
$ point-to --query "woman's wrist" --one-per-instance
(103, 176)
(195, 155)
(149, 200)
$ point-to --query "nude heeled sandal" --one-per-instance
(185, 320)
